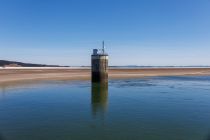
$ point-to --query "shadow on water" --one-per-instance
(133, 83)
(208, 137)
(99, 98)
(1, 137)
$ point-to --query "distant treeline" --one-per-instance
(157, 66)
(5, 63)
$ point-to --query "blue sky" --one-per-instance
(136, 32)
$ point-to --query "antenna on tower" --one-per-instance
(103, 48)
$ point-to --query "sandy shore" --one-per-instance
(17, 75)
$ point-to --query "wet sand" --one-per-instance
(20, 75)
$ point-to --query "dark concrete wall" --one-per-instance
(99, 68)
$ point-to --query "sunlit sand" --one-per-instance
(33, 74)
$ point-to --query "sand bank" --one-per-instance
(16, 75)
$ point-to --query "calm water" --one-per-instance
(159, 108)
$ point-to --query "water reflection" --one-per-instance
(208, 137)
(99, 98)
(1, 137)
(5, 87)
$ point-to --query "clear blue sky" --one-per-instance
(136, 32)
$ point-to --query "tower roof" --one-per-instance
(101, 52)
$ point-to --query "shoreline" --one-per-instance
(18, 75)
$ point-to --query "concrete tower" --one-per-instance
(99, 62)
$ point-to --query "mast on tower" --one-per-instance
(103, 47)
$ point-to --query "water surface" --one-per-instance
(158, 108)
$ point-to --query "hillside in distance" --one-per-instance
(5, 63)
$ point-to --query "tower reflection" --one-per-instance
(99, 98)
